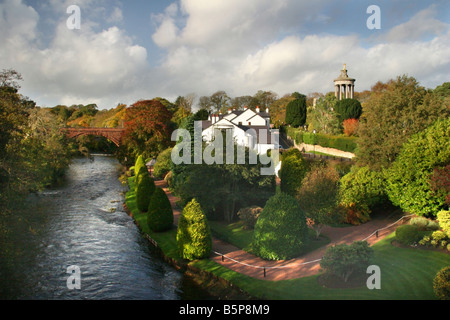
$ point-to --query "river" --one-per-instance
(82, 223)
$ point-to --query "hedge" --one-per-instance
(343, 143)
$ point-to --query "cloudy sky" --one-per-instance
(140, 49)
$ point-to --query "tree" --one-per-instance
(440, 183)
(348, 109)
(148, 128)
(296, 111)
(145, 188)
(193, 234)
(344, 260)
(160, 213)
(318, 197)
(281, 230)
(323, 118)
(362, 187)
(220, 101)
(408, 179)
(394, 112)
(292, 172)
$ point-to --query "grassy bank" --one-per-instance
(406, 273)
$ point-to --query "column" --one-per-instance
(336, 91)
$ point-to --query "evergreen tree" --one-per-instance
(194, 235)
(296, 111)
(160, 213)
(145, 188)
(348, 109)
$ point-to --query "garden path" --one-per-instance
(307, 265)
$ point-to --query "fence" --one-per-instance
(266, 268)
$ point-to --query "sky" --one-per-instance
(130, 50)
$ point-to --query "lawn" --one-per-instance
(406, 273)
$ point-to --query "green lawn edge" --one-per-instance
(406, 273)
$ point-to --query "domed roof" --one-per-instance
(344, 76)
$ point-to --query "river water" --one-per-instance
(83, 224)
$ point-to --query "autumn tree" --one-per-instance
(147, 128)
(318, 196)
(394, 112)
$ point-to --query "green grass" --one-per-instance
(406, 273)
(233, 233)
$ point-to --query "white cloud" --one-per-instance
(422, 24)
(237, 46)
(82, 65)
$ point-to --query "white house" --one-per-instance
(248, 128)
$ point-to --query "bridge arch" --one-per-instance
(114, 135)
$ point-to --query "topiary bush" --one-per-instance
(140, 163)
(160, 212)
(281, 230)
(441, 284)
(193, 235)
(145, 186)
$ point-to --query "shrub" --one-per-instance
(160, 213)
(293, 170)
(343, 260)
(408, 234)
(439, 239)
(193, 235)
(441, 284)
(281, 230)
(163, 164)
(145, 186)
(350, 127)
(355, 214)
(424, 224)
(444, 221)
(250, 215)
(169, 179)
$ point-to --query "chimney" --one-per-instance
(267, 110)
(257, 109)
(229, 111)
(245, 108)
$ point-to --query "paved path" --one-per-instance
(304, 266)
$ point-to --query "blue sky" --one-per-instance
(135, 49)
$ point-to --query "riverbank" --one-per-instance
(165, 245)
